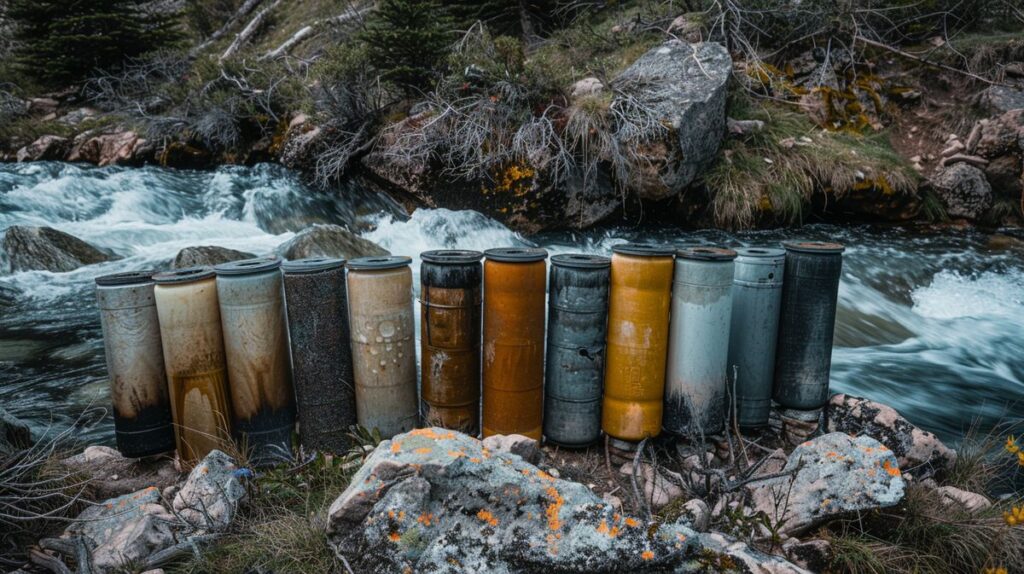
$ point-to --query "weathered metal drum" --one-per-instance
(807, 321)
(756, 299)
(316, 304)
(450, 299)
(193, 344)
(577, 327)
(698, 351)
(143, 424)
(383, 343)
(256, 345)
(513, 341)
(638, 320)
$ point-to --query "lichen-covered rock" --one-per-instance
(207, 255)
(111, 474)
(916, 450)
(434, 500)
(728, 555)
(963, 190)
(44, 248)
(45, 148)
(685, 86)
(1001, 135)
(321, 240)
(523, 446)
(830, 475)
(212, 493)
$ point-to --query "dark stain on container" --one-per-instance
(450, 307)
(143, 424)
(316, 301)
(577, 327)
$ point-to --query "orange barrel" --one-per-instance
(513, 343)
(450, 338)
(638, 320)
(190, 333)
(383, 339)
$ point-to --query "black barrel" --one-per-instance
(806, 324)
(577, 326)
(316, 302)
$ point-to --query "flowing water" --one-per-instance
(932, 324)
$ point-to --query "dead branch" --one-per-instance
(242, 12)
(311, 30)
(254, 25)
(179, 550)
(924, 61)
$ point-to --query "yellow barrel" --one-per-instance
(193, 346)
(638, 320)
(513, 341)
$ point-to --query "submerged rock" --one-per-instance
(434, 500)
(916, 450)
(44, 248)
(207, 255)
(321, 240)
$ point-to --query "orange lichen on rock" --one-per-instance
(431, 434)
(647, 555)
(396, 447)
(424, 450)
(426, 519)
(553, 508)
(891, 468)
(487, 517)
(632, 522)
(394, 536)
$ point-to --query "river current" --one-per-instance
(931, 323)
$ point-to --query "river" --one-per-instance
(931, 323)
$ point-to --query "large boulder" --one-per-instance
(45, 148)
(325, 240)
(45, 248)
(207, 256)
(212, 494)
(1001, 99)
(107, 149)
(434, 500)
(963, 190)
(917, 451)
(827, 477)
(1000, 135)
(684, 87)
(111, 474)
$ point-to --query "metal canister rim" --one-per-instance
(644, 249)
(125, 278)
(581, 261)
(451, 256)
(311, 265)
(186, 275)
(760, 252)
(814, 247)
(516, 254)
(379, 262)
(706, 253)
(248, 266)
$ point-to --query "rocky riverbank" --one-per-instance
(782, 500)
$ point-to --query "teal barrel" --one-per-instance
(698, 346)
(316, 304)
(143, 424)
(810, 294)
(256, 347)
(577, 328)
(756, 299)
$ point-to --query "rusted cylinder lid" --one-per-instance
(379, 262)
(644, 249)
(126, 278)
(580, 260)
(248, 266)
(451, 256)
(706, 253)
(311, 264)
(516, 254)
(822, 247)
(760, 252)
(187, 275)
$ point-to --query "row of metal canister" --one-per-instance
(652, 338)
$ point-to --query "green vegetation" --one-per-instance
(407, 40)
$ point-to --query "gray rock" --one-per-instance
(207, 255)
(831, 475)
(811, 554)
(963, 190)
(744, 558)
(45, 148)
(212, 493)
(658, 489)
(685, 85)
(44, 248)
(916, 450)
(970, 501)
(106, 149)
(1001, 99)
(328, 241)
(1001, 135)
(1005, 175)
(522, 446)
(434, 500)
(125, 529)
(8, 293)
(113, 475)
(75, 117)
(696, 515)
(586, 87)
(42, 106)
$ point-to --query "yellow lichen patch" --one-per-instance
(891, 468)
(424, 450)
(487, 517)
(396, 447)
(554, 508)
(647, 555)
(515, 178)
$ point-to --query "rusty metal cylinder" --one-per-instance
(383, 343)
(698, 346)
(756, 298)
(577, 327)
(638, 319)
(316, 304)
(256, 345)
(450, 308)
(143, 424)
(513, 341)
(193, 345)
(803, 358)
